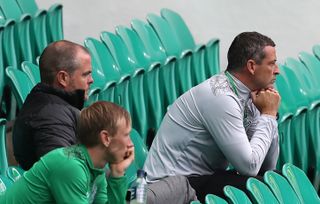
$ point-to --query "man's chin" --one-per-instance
(86, 96)
(271, 86)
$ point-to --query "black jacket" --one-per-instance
(46, 121)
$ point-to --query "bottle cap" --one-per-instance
(141, 173)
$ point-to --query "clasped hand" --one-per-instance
(118, 169)
(266, 100)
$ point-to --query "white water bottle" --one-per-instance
(140, 188)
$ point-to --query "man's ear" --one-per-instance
(251, 66)
(105, 138)
(63, 78)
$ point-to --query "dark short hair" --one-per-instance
(57, 56)
(101, 115)
(246, 46)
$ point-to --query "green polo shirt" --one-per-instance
(66, 175)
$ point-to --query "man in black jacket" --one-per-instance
(49, 115)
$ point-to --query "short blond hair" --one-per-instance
(100, 116)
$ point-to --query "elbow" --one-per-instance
(247, 168)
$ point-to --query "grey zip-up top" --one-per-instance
(210, 127)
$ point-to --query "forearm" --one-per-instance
(247, 157)
(271, 158)
(264, 144)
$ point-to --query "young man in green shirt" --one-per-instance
(76, 174)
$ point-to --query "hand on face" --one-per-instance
(118, 169)
(266, 100)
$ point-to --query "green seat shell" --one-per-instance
(155, 50)
(137, 88)
(183, 76)
(186, 41)
(213, 199)
(19, 83)
(235, 195)
(3, 151)
(259, 192)
(300, 183)
(280, 188)
(32, 71)
(54, 23)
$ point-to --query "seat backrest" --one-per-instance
(300, 183)
(10, 9)
(32, 71)
(2, 18)
(19, 83)
(55, 23)
(150, 40)
(13, 173)
(235, 195)
(3, 148)
(307, 81)
(11, 52)
(120, 53)
(260, 193)
(135, 46)
(27, 6)
(165, 34)
(104, 70)
(140, 149)
(140, 155)
(180, 28)
(280, 187)
(297, 89)
(17, 40)
(213, 199)
(316, 50)
(2, 82)
(286, 107)
(5, 183)
(312, 63)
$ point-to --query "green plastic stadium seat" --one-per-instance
(38, 24)
(19, 83)
(157, 53)
(316, 50)
(184, 78)
(3, 151)
(137, 91)
(54, 23)
(235, 195)
(213, 199)
(32, 71)
(280, 188)
(260, 193)
(301, 184)
(186, 41)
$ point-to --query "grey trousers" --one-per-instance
(171, 190)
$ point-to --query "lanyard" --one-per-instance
(233, 85)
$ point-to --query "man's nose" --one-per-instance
(130, 143)
(91, 80)
(276, 70)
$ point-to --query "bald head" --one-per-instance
(59, 55)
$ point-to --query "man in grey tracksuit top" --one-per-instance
(228, 119)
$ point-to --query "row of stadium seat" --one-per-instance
(8, 174)
(146, 67)
(293, 186)
(299, 111)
